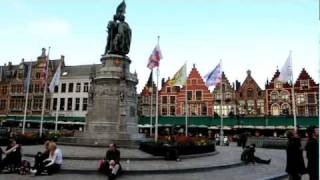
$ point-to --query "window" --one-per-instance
(78, 87)
(13, 89)
(285, 109)
(260, 106)
(55, 103)
(19, 88)
(284, 95)
(204, 110)
(85, 87)
(172, 99)
(304, 84)
(164, 110)
(194, 81)
(172, 110)
(3, 105)
(164, 100)
(36, 88)
(198, 95)
(69, 105)
(275, 110)
(63, 87)
(250, 93)
(70, 87)
(250, 107)
(274, 96)
(56, 89)
(228, 96)
(62, 104)
(37, 104)
(311, 99)
(168, 89)
(300, 98)
(193, 109)
(189, 95)
(278, 85)
(84, 104)
(38, 75)
(77, 108)
(4, 90)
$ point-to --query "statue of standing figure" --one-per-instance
(119, 33)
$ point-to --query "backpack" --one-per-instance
(25, 167)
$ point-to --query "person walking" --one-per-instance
(312, 150)
(295, 165)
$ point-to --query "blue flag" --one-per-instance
(214, 77)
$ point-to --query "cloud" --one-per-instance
(49, 27)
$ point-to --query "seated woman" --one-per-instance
(41, 156)
(112, 162)
(13, 156)
(53, 163)
(248, 156)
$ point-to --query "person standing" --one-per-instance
(312, 150)
(295, 164)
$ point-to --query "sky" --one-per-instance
(244, 34)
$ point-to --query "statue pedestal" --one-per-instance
(112, 110)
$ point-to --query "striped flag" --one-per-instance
(56, 79)
(214, 77)
(155, 57)
(180, 78)
(27, 76)
(286, 70)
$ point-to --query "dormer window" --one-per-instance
(278, 85)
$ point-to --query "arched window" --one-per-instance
(285, 109)
(285, 95)
(275, 110)
(274, 96)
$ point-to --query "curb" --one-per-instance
(166, 171)
(192, 156)
(276, 177)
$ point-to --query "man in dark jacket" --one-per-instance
(312, 149)
(112, 161)
(295, 164)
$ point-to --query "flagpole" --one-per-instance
(293, 98)
(221, 115)
(151, 104)
(157, 104)
(57, 111)
(186, 109)
(44, 94)
(26, 101)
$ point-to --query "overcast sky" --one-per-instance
(245, 34)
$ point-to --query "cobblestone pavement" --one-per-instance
(248, 172)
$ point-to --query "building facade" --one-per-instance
(227, 96)
(168, 99)
(250, 98)
(278, 97)
(307, 95)
(198, 97)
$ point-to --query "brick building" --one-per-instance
(307, 95)
(250, 98)
(199, 97)
(168, 99)
(228, 105)
(278, 97)
(144, 100)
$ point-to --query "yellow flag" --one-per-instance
(180, 77)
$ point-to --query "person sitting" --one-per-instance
(112, 162)
(248, 156)
(13, 156)
(53, 163)
(41, 156)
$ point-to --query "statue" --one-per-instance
(119, 33)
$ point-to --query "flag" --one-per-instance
(214, 77)
(180, 77)
(155, 57)
(27, 76)
(56, 79)
(286, 70)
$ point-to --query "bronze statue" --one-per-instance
(119, 33)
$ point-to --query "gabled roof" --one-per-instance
(249, 79)
(304, 75)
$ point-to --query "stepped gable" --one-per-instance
(270, 84)
(225, 82)
(304, 75)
